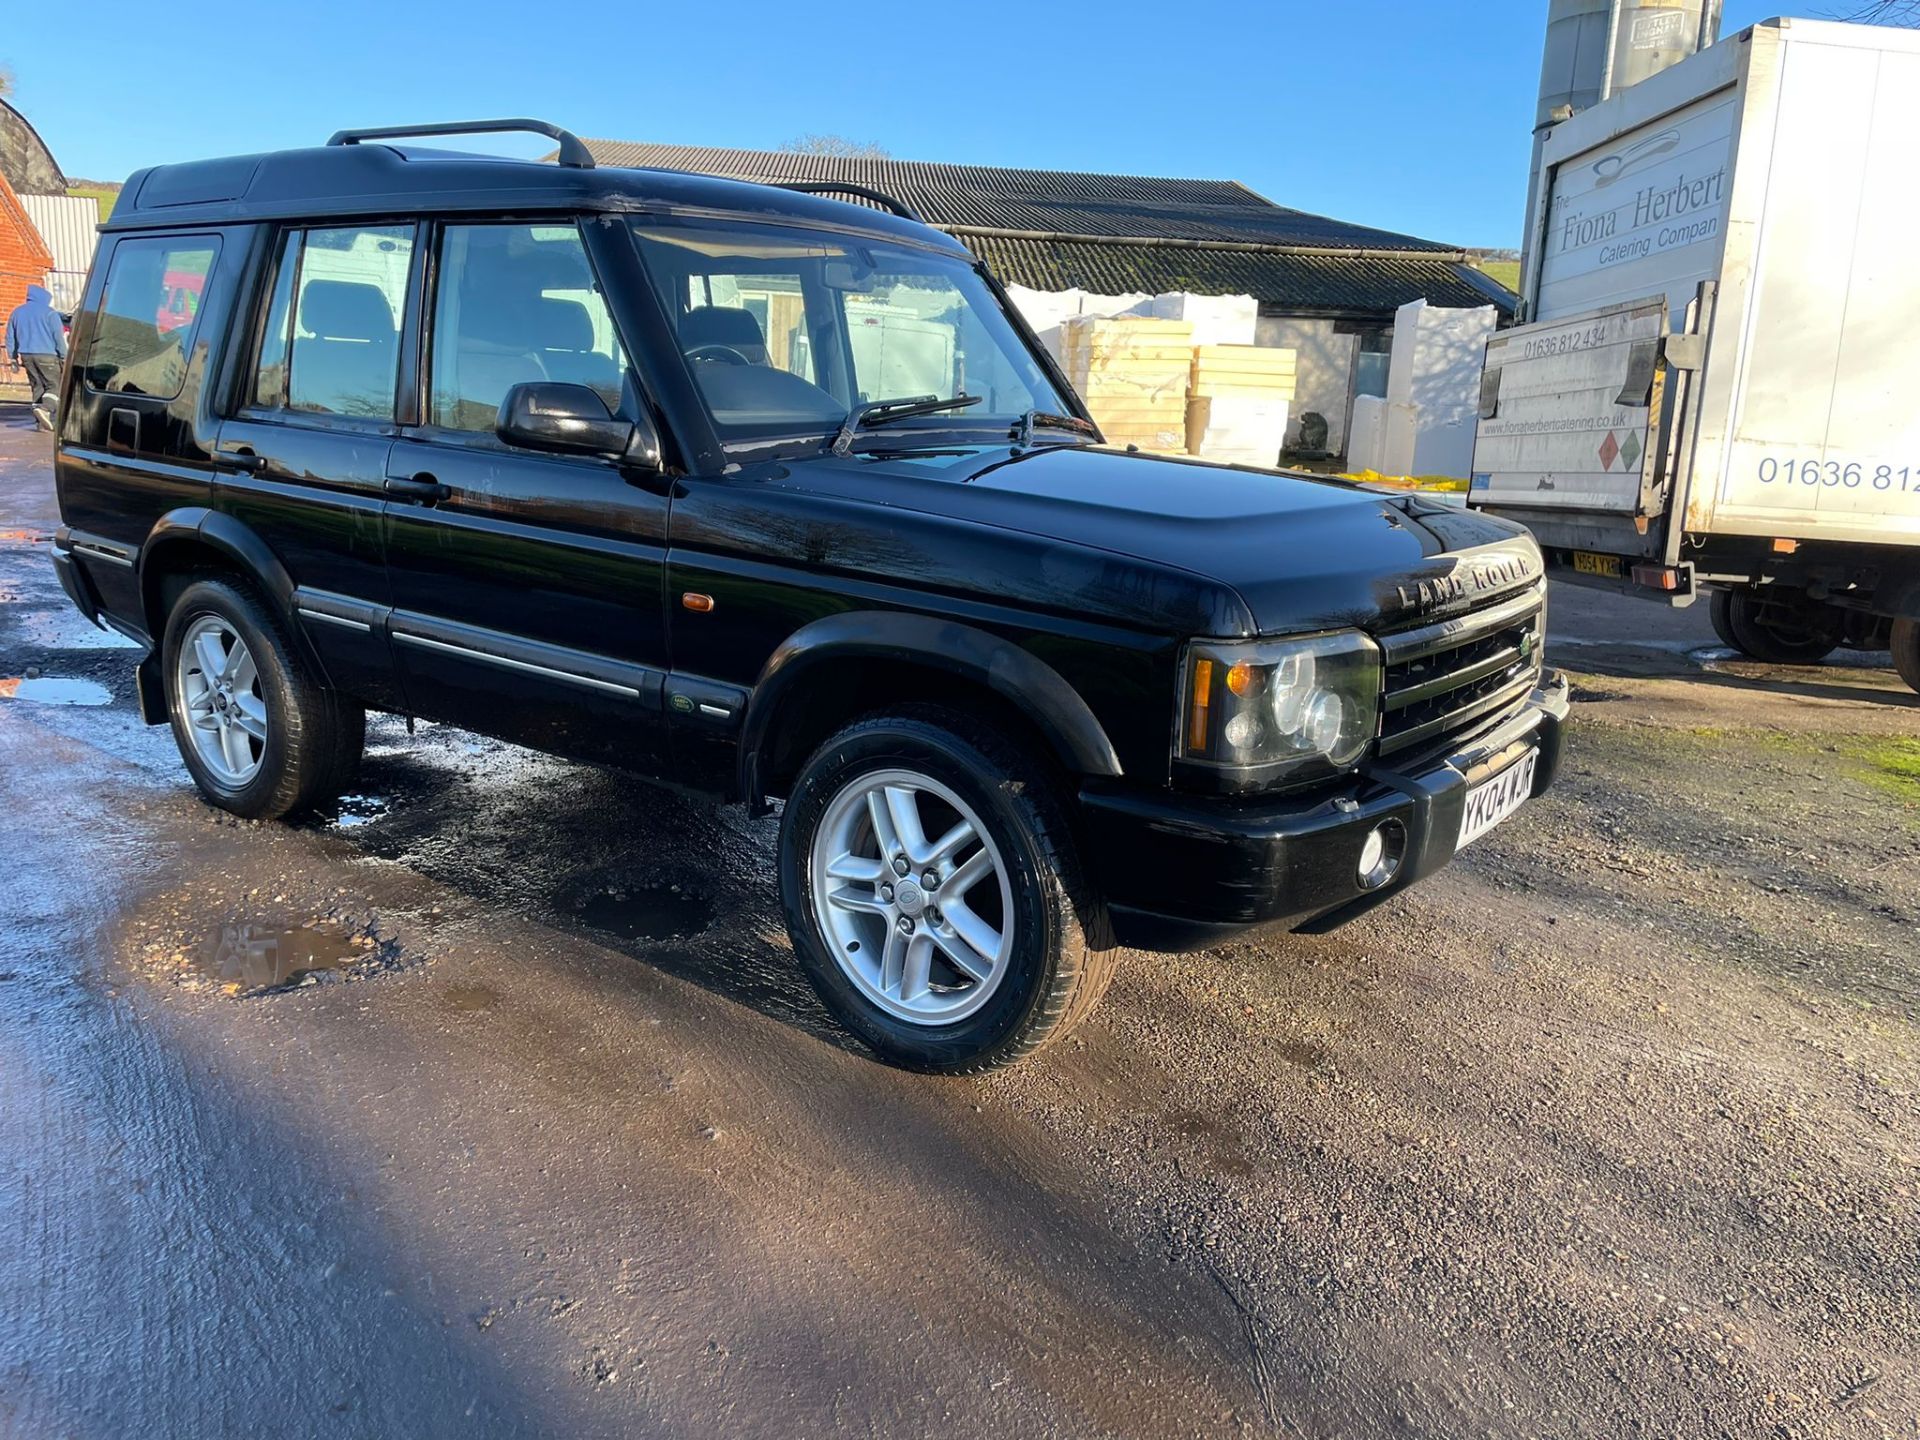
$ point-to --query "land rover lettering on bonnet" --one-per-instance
(771, 495)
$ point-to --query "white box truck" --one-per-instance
(1717, 384)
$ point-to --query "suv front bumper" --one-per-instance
(1184, 872)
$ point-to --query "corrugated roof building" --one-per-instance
(1327, 289)
(70, 226)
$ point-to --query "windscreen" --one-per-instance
(786, 330)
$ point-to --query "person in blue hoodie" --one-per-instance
(38, 340)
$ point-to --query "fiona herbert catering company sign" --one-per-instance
(1640, 215)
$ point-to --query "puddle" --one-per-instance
(642, 912)
(1718, 657)
(360, 810)
(55, 690)
(265, 957)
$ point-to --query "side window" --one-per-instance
(148, 315)
(761, 317)
(332, 340)
(513, 304)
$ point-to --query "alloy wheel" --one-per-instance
(219, 687)
(912, 896)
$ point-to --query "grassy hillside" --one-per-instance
(1507, 272)
(101, 193)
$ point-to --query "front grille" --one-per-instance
(1445, 679)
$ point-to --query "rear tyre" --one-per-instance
(1718, 608)
(260, 735)
(1905, 644)
(1780, 631)
(933, 892)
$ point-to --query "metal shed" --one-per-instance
(69, 224)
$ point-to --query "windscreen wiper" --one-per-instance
(880, 412)
(1033, 419)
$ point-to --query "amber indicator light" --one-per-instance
(694, 600)
(1197, 729)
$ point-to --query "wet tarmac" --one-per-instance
(491, 1104)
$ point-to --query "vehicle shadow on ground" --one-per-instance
(681, 885)
(599, 853)
(388, 1326)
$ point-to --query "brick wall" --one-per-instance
(24, 258)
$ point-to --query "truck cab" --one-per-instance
(771, 496)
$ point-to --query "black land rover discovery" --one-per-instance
(771, 496)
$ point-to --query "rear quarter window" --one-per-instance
(149, 313)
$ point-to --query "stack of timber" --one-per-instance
(1238, 398)
(1133, 372)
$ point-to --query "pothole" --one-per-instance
(268, 955)
(650, 910)
(54, 690)
(244, 958)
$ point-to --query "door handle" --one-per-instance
(243, 460)
(422, 489)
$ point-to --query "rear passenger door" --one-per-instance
(305, 454)
(527, 587)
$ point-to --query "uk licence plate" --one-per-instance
(1492, 801)
(1589, 563)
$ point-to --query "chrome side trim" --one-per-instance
(101, 550)
(341, 620)
(467, 652)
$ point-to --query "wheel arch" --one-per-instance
(231, 543)
(963, 656)
(196, 537)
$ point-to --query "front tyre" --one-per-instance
(933, 894)
(260, 735)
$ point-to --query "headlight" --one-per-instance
(1273, 709)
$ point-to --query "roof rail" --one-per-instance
(840, 187)
(573, 151)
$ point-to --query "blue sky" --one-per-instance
(1407, 114)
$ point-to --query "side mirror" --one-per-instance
(569, 419)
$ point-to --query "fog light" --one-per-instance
(1381, 854)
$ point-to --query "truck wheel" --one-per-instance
(260, 735)
(1779, 631)
(933, 894)
(1905, 644)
